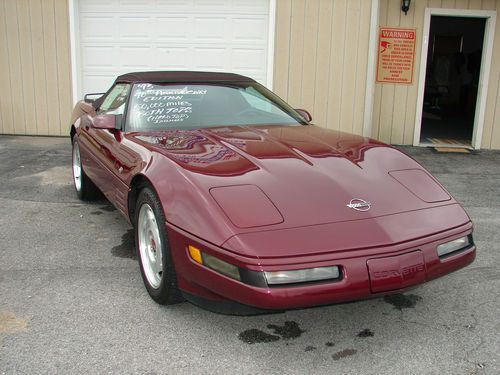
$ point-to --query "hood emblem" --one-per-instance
(359, 204)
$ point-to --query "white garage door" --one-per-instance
(120, 36)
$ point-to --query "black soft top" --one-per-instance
(181, 77)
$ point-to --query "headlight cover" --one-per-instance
(450, 247)
(266, 278)
(302, 276)
(220, 266)
(214, 263)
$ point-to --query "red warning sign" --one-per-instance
(396, 54)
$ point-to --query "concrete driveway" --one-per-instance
(72, 300)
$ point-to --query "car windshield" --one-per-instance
(189, 106)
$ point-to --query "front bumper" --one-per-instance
(366, 273)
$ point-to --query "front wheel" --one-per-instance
(153, 250)
(85, 188)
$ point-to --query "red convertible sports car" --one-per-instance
(240, 205)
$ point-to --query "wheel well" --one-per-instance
(138, 183)
(72, 132)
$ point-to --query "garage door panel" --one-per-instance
(250, 29)
(98, 5)
(95, 57)
(135, 28)
(232, 7)
(251, 6)
(173, 28)
(170, 58)
(212, 5)
(175, 5)
(213, 29)
(209, 58)
(136, 4)
(98, 28)
(118, 36)
(135, 57)
(249, 60)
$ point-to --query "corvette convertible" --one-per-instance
(241, 205)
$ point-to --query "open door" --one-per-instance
(452, 80)
(455, 64)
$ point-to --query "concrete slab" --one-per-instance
(72, 299)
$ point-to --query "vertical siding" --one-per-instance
(34, 67)
(6, 119)
(282, 49)
(491, 131)
(322, 67)
(295, 70)
(395, 105)
(320, 64)
(321, 56)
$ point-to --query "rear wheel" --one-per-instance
(85, 188)
(153, 250)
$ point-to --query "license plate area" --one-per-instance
(396, 272)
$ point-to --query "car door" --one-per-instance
(102, 143)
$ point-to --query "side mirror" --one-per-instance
(305, 114)
(107, 122)
(91, 98)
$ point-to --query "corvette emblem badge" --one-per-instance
(359, 204)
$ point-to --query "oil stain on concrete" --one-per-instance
(254, 336)
(402, 301)
(366, 333)
(10, 323)
(290, 330)
(127, 248)
(344, 353)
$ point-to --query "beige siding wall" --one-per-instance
(491, 130)
(395, 105)
(320, 65)
(321, 58)
(35, 67)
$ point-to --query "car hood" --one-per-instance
(276, 177)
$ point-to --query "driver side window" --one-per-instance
(114, 103)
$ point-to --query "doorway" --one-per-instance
(452, 79)
(455, 64)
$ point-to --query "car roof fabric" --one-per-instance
(181, 77)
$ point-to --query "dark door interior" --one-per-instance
(452, 77)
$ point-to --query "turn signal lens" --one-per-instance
(214, 263)
(195, 254)
(452, 246)
(220, 266)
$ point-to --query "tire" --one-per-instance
(153, 249)
(85, 188)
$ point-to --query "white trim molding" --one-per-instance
(270, 44)
(74, 50)
(370, 70)
(489, 32)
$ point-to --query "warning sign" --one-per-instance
(396, 52)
